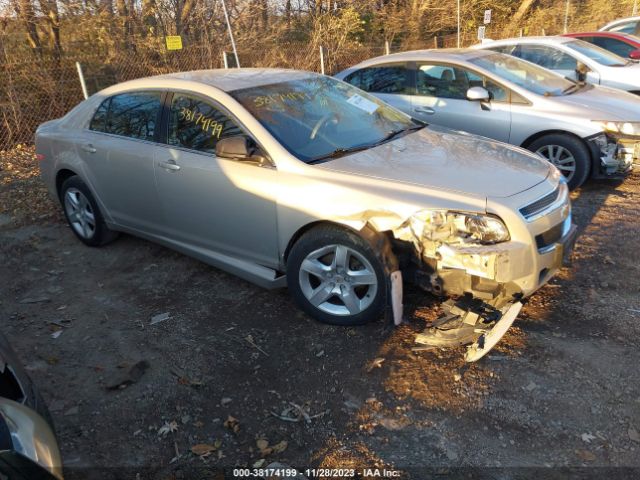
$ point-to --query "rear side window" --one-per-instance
(613, 45)
(197, 125)
(384, 79)
(132, 115)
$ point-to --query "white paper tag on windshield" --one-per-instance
(362, 103)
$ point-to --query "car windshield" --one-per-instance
(524, 74)
(320, 117)
(597, 54)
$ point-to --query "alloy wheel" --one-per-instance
(338, 280)
(79, 213)
(561, 158)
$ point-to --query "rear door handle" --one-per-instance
(170, 166)
(88, 148)
(427, 110)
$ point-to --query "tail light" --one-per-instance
(39, 157)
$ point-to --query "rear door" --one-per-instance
(441, 98)
(227, 206)
(117, 150)
(389, 82)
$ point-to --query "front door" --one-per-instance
(441, 98)
(223, 205)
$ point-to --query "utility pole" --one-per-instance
(233, 42)
(458, 23)
(566, 17)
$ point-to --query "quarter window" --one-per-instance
(385, 79)
(197, 125)
(132, 115)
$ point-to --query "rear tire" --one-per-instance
(83, 215)
(336, 277)
(568, 153)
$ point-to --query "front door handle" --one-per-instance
(427, 110)
(88, 148)
(170, 166)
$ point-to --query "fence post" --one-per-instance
(225, 62)
(521, 31)
(82, 83)
(387, 49)
(322, 59)
(544, 32)
(435, 42)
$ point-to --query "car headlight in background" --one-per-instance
(454, 227)
(620, 128)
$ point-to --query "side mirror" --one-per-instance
(240, 148)
(581, 72)
(478, 94)
(634, 55)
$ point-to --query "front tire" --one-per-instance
(336, 277)
(568, 153)
(83, 215)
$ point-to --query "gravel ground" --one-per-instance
(238, 376)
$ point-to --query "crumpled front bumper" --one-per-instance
(617, 155)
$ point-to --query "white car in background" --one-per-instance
(574, 126)
(630, 25)
(574, 59)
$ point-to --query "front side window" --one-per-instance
(197, 125)
(318, 117)
(526, 75)
(445, 81)
(545, 56)
(383, 79)
(132, 115)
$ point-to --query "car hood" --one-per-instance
(602, 103)
(448, 160)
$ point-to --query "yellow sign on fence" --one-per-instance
(174, 42)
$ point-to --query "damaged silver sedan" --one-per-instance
(289, 178)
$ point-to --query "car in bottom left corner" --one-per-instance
(28, 446)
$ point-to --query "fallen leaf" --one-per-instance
(168, 427)
(585, 455)
(259, 463)
(280, 446)
(232, 424)
(203, 449)
(262, 444)
(587, 437)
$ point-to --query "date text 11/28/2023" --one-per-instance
(315, 473)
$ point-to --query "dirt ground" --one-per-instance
(560, 396)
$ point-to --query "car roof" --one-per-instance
(226, 80)
(431, 54)
(619, 35)
(554, 39)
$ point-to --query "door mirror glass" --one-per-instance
(634, 55)
(581, 72)
(478, 94)
(240, 147)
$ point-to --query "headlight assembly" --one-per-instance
(457, 227)
(621, 128)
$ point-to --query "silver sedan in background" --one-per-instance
(585, 131)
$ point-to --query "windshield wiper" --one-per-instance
(340, 152)
(394, 133)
